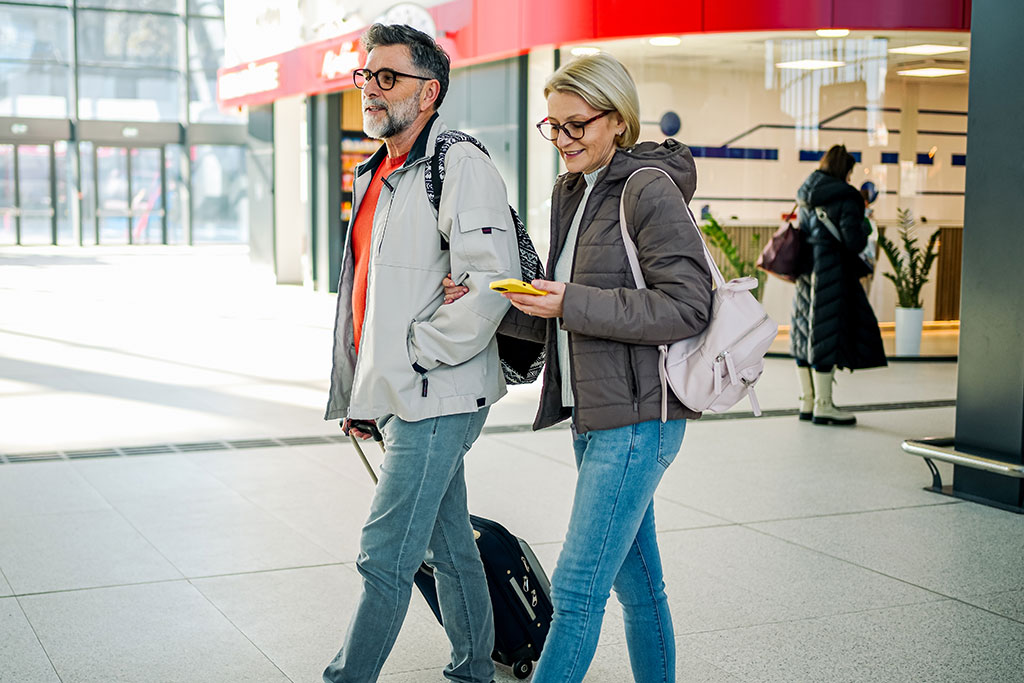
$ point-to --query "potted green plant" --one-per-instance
(910, 265)
(735, 266)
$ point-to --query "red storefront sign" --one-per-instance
(474, 31)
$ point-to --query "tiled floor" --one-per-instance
(793, 552)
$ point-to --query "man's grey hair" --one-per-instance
(427, 55)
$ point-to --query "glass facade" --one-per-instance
(120, 75)
(36, 79)
(220, 202)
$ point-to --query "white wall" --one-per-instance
(716, 107)
(291, 191)
(719, 99)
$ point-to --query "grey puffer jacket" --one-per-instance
(614, 328)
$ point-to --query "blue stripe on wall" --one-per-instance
(735, 153)
(816, 155)
(959, 159)
(890, 157)
(924, 160)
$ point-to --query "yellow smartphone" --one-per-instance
(516, 287)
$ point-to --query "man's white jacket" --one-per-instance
(418, 359)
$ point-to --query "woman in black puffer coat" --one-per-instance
(833, 323)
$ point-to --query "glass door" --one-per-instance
(147, 197)
(113, 215)
(8, 197)
(35, 194)
(26, 194)
(129, 195)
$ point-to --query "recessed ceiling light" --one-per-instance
(665, 41)
(927, 49)
(931, 72)
(583, 51)
(809, 64)
(833, 32)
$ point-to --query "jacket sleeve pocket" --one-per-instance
(480, 240)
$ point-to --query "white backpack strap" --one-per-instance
(822, 215)
(634, 262)
(638, 276)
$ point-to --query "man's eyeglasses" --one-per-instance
(574, 129)
(385, 77)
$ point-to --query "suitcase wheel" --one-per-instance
(522, 668)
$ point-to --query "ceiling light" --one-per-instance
(665, 41)
(927, 49)
(809, 64)
(583, 51)
(931, 72)
(833, 32)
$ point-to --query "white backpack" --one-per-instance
(713, 370)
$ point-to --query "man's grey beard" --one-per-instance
(397, 117)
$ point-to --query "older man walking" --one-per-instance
(425, 373)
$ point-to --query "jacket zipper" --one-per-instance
(423, 375)
(572, 273)
(634, 384)
(387, 216)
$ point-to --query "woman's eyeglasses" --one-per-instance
(573, 129)
(385, 77)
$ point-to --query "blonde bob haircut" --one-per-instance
(605, 85)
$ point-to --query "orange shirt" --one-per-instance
(361, 238)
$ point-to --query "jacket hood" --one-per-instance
(820, 189)
(671, 156)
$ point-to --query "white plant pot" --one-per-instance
(909, 322)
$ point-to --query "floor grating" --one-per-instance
(285, 442)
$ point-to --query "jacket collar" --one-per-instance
(423, 148)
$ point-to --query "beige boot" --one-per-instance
(806, 392)
(825, 412)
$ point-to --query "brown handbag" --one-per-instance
(786, 255)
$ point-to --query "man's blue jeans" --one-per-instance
(419, 511)
(611, 542)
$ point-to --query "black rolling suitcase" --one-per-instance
(519, 588)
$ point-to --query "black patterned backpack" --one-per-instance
(521, 360)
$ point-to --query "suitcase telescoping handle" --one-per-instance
(371, 429)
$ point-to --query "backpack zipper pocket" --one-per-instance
(522, 598)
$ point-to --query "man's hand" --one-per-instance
(361, 429)
(549, 306)
(452, 291)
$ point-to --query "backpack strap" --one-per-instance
(638, 276)
(823, 216)
(631, 253)
(433, 174)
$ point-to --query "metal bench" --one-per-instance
(942, 449)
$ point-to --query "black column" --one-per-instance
(990, 385)
(335, 226)
(327, 232)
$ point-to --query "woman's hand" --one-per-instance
(452, 291)
(548, 306)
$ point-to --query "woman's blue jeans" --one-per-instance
(611, 542)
